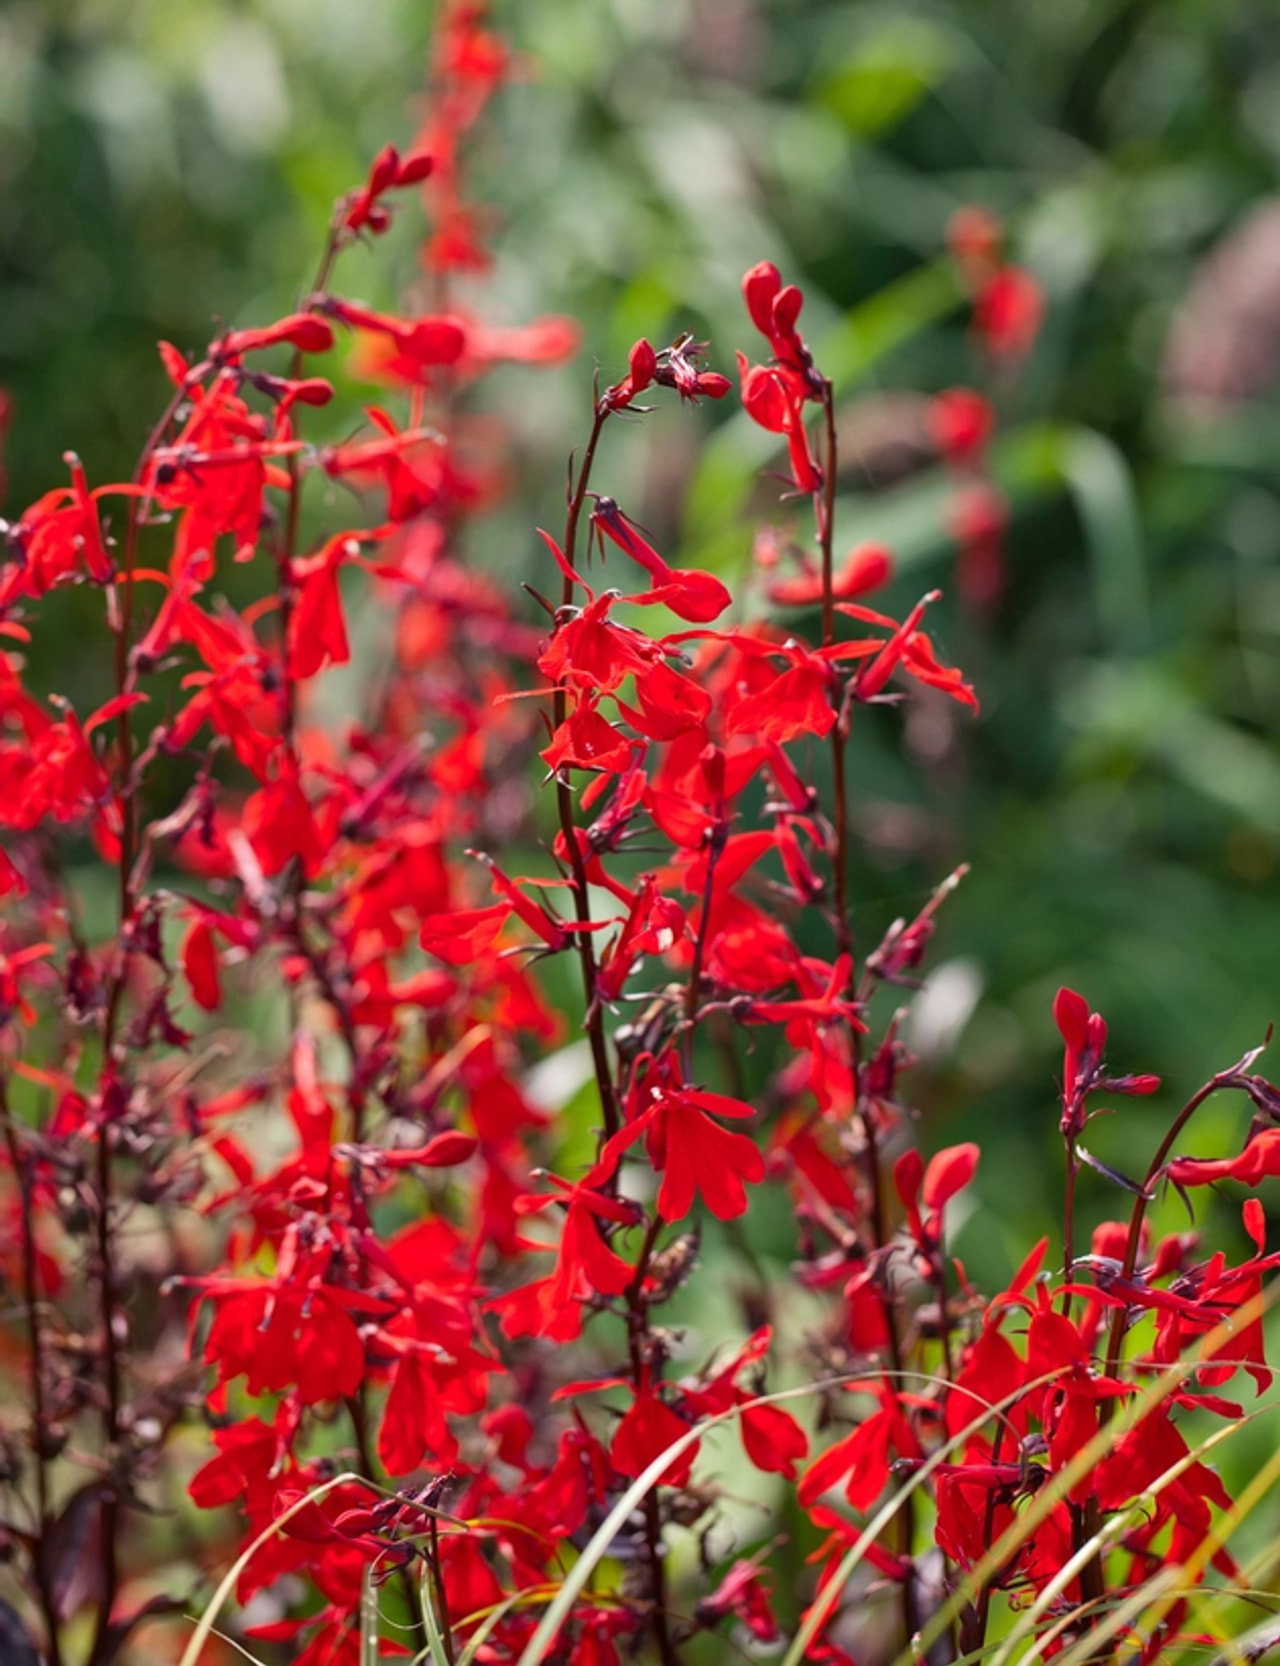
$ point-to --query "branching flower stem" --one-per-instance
(31, 1309)
(564, 804)
(637, 1348)
(824, 517)
(1115, 1339)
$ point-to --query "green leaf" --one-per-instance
(877, 85)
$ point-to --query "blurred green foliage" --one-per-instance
(165, 165)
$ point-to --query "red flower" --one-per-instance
(200, 963)
(866, 567)
(698, 597)
(693, 1152)
(302, 330)
(365, 210)
(862, 1459)
(644, 1434)
(774, 309)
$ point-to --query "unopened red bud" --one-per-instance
(414, 169)
(302, 330)
(712, 761)
(385, 171)
(313, 390)
(644, 362)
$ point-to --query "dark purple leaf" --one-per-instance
(72, 1565)
(16, 1647)
(1111, 1174)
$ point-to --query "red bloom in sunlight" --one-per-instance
(282, 1338)
(419, 344)
(302, 330)
(216, 468)
(775, 308)
(247, 1453)
(200, 963)
(1084, 1035)
(771, 1437)
(866, 567)
(1260, 1160)
(654, 925)
(586, 1266)
(58, 538)
(949, 1172)
(862, 1459)
(697, 597)
(910, 649)
(408, 464)
(795, 702)
(693, 1152)
(589, 650)
(317, 629)
(644, 1434)
(774, 398)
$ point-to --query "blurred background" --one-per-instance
(164, 166)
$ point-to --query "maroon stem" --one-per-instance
(719, 836)
(1069, 1223)
(1092, 1581)
(127, 800)
(31, 1307)
(638, 1348)
(564, 804)
(360, 1427)
(1115, 1341)
(289, 549)
(824, 517)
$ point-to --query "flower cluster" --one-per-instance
(293, 1108)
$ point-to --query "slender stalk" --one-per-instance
(719, 837)
(126, 799)
(983, 1605)
(31, 1307)
(360, 1428)
(824, 517)
(1069, 1224)
(637, 1344)
(825, 511)
(356, 1094)
(564, 804)
(441, 1593)
(939, 1274)
(289, 548)
(126, 792)
(1115, 1340)
(1092, 1584)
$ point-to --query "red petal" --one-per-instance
(948, 1173)
(1071, 1015)
(200, 963)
